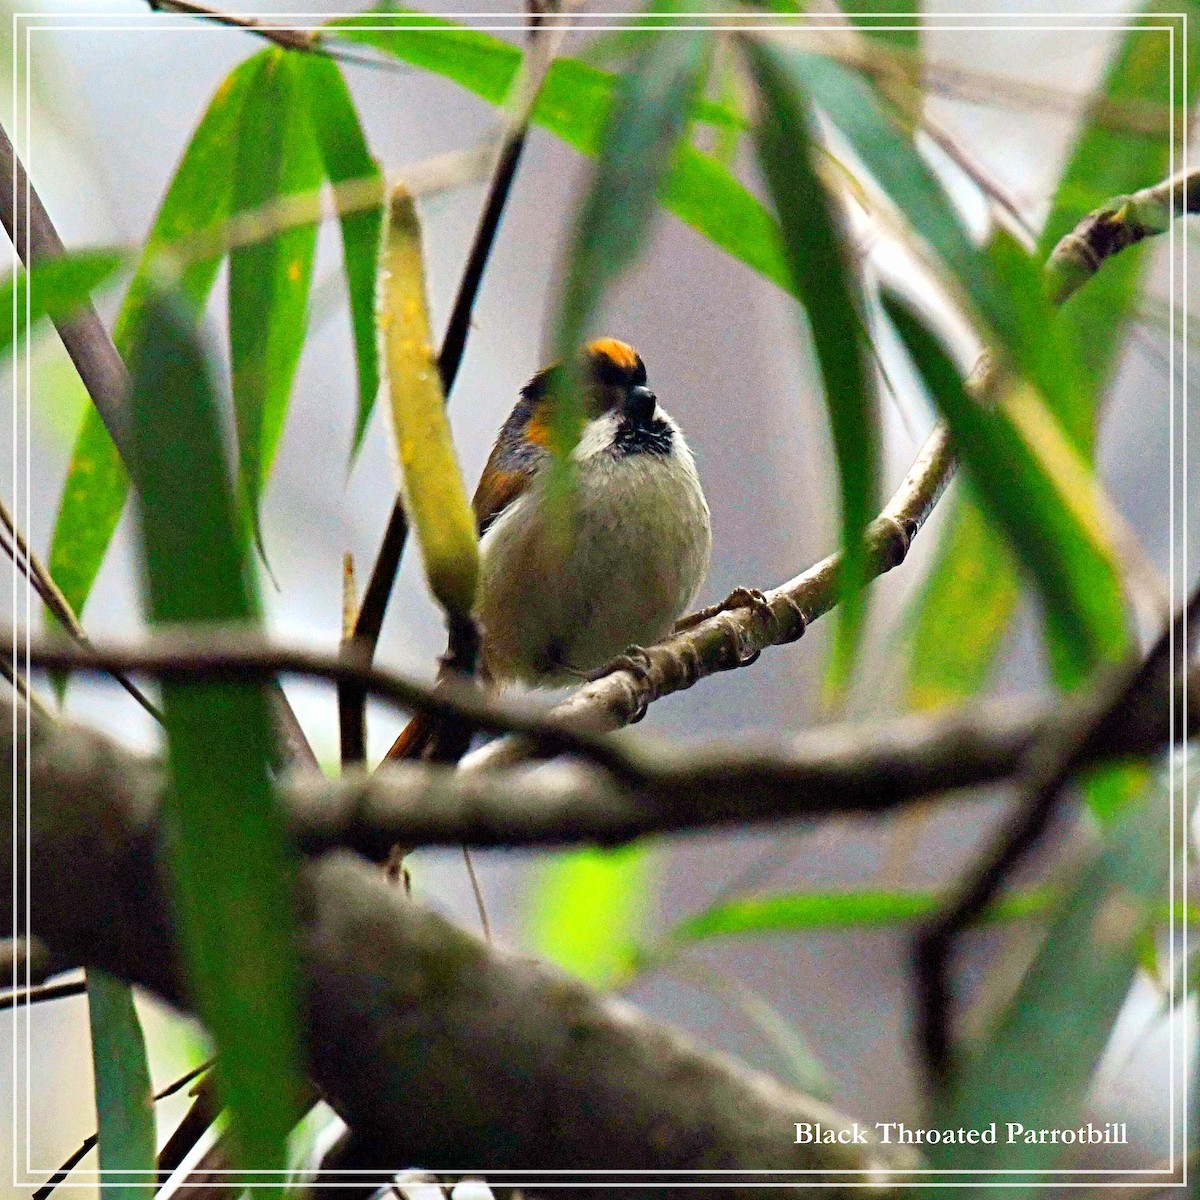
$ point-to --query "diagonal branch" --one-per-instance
(734, 634)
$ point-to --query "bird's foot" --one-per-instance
(636, 660)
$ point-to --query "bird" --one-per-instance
(551, 612)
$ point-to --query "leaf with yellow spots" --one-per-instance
(269, 280)
(346, 156)
(197, 199)
(434, 492)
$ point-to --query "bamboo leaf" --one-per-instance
(1066, 1006)
(124, 1105)
(588, 906)
(269, 280)
(790, 912)
(434, 492)
(231, 870)
(198, 199)
(1104, 163)
(877, 19)
(346, 156)
(644, 127)
(1036, 489)
(54, 288)
(965, 605)
(574, 104)
(824, 276)
(1016, 322)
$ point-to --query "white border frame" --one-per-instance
(1157, 1178)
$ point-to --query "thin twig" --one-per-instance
(1051, 763)
(40, 992)
(27, 562)
(282, 35)
(352, 717)
(288, 37)
(481, 906)
(183, 655)
(90, 1142)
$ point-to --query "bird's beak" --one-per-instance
(640, 404)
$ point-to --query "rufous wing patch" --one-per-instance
(537, 429)
(496, 491)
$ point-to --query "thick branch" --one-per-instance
(633, 789)
(438, 1050)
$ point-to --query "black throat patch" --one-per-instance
(650, 437)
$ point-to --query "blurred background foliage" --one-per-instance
(735, 206)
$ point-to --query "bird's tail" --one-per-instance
(415, 739)
(440, 739)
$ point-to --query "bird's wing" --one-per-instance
(496, 491)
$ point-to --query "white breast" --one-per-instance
(639, 555)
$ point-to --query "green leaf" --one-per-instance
(1021, 468)
(824, 276)
(1065, 1008)
(790, 912)
(998, 293)
(645, 124)
(197, 200)
(232, 874)
(587, 907)
(874, 17)
(573, 105)
(346, 156)
(124, 1103)
(56, 288)
(269, 280)
(965, 605)
(1105, 162)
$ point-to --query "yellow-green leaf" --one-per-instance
(587, 907)
(434, 493)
